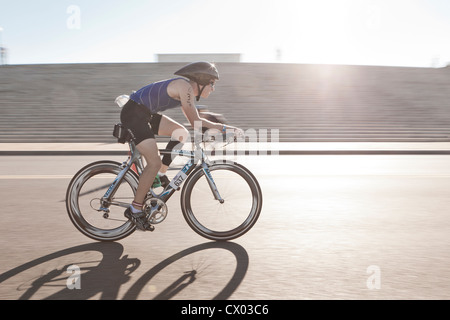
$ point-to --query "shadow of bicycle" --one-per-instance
(188, 278)
(102, 279)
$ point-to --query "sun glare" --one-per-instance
(316, 33)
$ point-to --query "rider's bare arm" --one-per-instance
(187, 98)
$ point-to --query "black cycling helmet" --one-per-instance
(200, 72)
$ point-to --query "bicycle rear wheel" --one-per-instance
(222, 221)
(83, 201)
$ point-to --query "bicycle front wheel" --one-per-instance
(83, 201)
(225, 220)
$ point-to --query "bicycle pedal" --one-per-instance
(146, 227)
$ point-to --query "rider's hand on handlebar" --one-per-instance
(230, 135)
(238, 134)
(233, 134)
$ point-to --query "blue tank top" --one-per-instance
(155, 97)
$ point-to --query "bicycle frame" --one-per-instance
(195, 157)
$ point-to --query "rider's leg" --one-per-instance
(149, 150)
(179, 135)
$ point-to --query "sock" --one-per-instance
(133, 209)
(161, 173)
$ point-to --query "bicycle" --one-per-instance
(220, 200)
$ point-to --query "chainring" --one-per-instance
(156, 210)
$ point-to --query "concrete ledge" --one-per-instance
(303, 148)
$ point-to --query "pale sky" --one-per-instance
(364, 32)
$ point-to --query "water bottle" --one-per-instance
(122, 100)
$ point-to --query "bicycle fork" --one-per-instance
(211, 183)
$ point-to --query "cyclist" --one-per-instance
(142, 115)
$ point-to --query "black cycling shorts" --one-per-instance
(140, 121)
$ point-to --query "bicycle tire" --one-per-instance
(231, 179)
(79, 212)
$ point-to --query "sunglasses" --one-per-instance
(212, 84)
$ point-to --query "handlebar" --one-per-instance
(226, 138)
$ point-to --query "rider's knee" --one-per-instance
(155, 162)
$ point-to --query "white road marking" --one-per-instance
(34, 177)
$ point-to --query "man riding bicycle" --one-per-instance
(141, 114)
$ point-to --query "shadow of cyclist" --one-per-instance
(106, 278)
(114, 270)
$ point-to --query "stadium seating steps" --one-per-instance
(75, 102)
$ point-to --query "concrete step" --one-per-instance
(75, 103)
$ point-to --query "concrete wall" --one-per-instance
(75, 103)
(211, 57)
